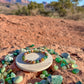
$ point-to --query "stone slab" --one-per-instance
(34, 67)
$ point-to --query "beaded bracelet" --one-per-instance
(34, 61)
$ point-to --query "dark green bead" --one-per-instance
(58, 60)
(17, 51)
(45, 72)
(15, 54)
(8, 78)
(62, 64)
(31, 45)
(65, 62)
(37, 61)
(0, 70)
(75, 71)
(8, 75)
(3, 61)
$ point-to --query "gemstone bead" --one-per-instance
(45, 72)
(58, 60)
(3, 69)
(8, 78)
(56, 67)
(42, 76)
(32, 45)
(64, 67)
(13, 75)
(62, 64)
(57, 79)
(5, 74)
(65, 55)
(15, 54)
(36, 83)
(64, 61)
(3, 61)
(18, 79)
(75, 71)
(37, 61)
(72, 61)
(17, 51)
(74, 66)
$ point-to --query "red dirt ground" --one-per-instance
(62, 35)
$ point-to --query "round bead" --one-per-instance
(58, 60)
(56, 67)
(33, 62)
(42, 76)
(42, 59)
(64, 67)
(74, 66)
(75, 71)
(37, 61)
(45, 72)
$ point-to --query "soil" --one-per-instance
(59, 34)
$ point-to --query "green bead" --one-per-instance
(64, 67)
(8, 78)
(45, 72)
(36, 82)
(74, 65)
(5, 74)
(62, 64)
(75, 71)
(64, 61)
(57, 79)
(56, 67)
(58, 60)
(18, 79)
(37, 61)
(4, 65)
(15, 54)
(42, 76)
(8, 75)
(72, 61)
(0, 70)
(32, 45)
(17, 51)
(23, 58)
(13, 75)
(3, 69)
(3, 61)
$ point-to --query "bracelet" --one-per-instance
(34, 61)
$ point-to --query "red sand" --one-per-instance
(62, 35)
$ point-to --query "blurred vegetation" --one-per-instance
(67, 9)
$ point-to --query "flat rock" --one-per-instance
(33, 67)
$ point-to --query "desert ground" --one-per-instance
(59, 34)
